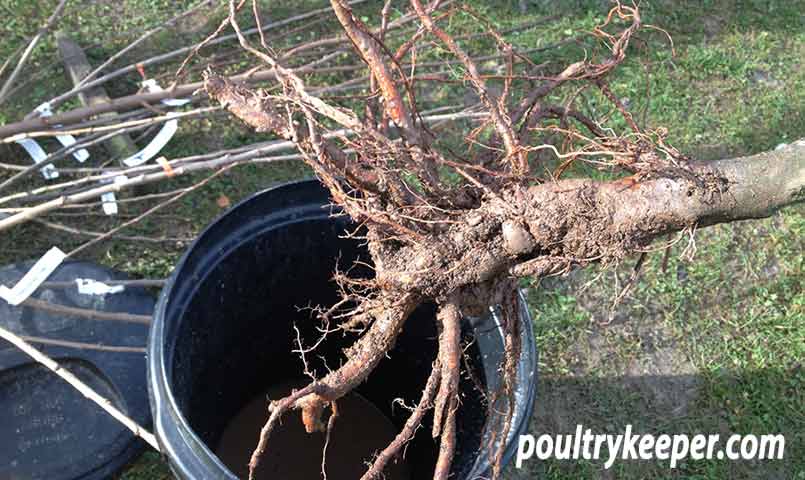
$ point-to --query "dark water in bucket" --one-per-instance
(223, 334)
(359, 431)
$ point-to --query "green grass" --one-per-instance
(721, 337)
(713, 344)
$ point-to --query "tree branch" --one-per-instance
(79, 385)
(30, 48)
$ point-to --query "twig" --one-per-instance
(64, 201)
(27, 53)
(82, 387)
(131, 101)
(181, 51)
(59, 154)
(125, 283)
(83, 345)
(86, 313)
(127, 238)
(104, 128)
(149, 212)
(140, 40)
(10, 58)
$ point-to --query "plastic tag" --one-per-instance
(109, 200)
(28, 284)
(88, 286)
(36, 152)
(66, 140)
(109, 203)
(154, 146)
(165, 133)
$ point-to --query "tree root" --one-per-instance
(449, 361)
(410, 427)
(463, 245)
(444, 423)
(512, 346)
(363, 357)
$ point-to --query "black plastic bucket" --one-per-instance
(223, 331)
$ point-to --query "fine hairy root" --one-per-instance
(363, 357)
(410, 427)
(457, 229)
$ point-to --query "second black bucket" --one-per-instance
(223, 333)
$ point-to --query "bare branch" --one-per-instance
(79, 385)
(86, 313)
(30, 48)
(497, 109)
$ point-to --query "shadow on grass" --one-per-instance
(673, 404)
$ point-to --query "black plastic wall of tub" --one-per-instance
(223, 332)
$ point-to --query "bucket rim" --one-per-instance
(165, 410)
(177, 440)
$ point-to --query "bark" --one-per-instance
(363, 357)
(77, 67)
(462, 246)
(545, 228)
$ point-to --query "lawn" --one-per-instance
(712, 337)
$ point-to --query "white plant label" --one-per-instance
(88, 286)
(155, 145)
(28, 284)
(163, 136)
(108, 199)
(66, 140)
(38, 154)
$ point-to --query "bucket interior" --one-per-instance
(233, 334)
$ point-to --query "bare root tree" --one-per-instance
(452, 226)
(459, 228)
